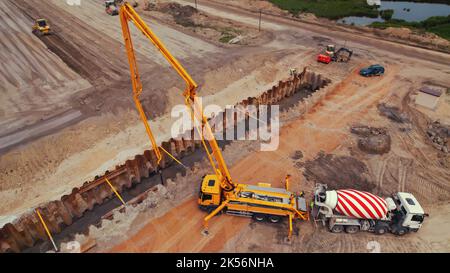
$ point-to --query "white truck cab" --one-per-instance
(411, 211)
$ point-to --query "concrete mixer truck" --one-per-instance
(353, 210)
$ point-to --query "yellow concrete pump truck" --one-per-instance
(218, 192)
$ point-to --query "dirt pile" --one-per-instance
(176, 9)
(213, 28)
(338, 172)
(181, 14)
(297, 155)
(439, 135)
(148, 5)
(417, 36)
(393, 113)
(372, 140)
(262, 5)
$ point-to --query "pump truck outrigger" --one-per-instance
(218, 192)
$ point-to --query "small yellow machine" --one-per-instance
(41, 27)
(218, 193)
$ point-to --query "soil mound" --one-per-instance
(372, 140)
(338, 172)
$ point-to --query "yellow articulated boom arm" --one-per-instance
(127, 13)
(218, 192)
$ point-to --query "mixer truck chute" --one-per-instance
(353, 210)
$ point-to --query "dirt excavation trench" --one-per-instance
(136, 179)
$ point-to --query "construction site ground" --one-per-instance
(67, 115)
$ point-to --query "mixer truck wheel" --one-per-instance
(337, 228)
(380, 230)
(401, 231)
(351, 229)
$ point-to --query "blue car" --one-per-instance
(373, 70)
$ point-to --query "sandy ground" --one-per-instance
(317, 134)
(65, 159)
(354, 101)
(81, 65)
(180, 44)
(179, 229)
(348, 37)
(34, 82)
(109, 133)
(416, 37)
(217, 30)
(123, 140)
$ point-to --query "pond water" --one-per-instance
(408, 11)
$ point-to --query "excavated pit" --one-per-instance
(95, 200)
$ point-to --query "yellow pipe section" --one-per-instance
(290, 227)
(47, 230)
(115, 191)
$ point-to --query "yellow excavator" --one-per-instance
(218, 192)
(41, 27)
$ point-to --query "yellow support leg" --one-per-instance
(115, 191)
(213, 213)
(287, 181)
(47, 230)
(290, 227)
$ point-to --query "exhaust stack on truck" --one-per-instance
(353, 210)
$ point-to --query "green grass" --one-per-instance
(331, 9)
(439, 25)
(226, 37)
(228, 33)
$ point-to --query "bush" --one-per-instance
(386, 14)
(439, 25)
(435, 21)
(441, 30)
